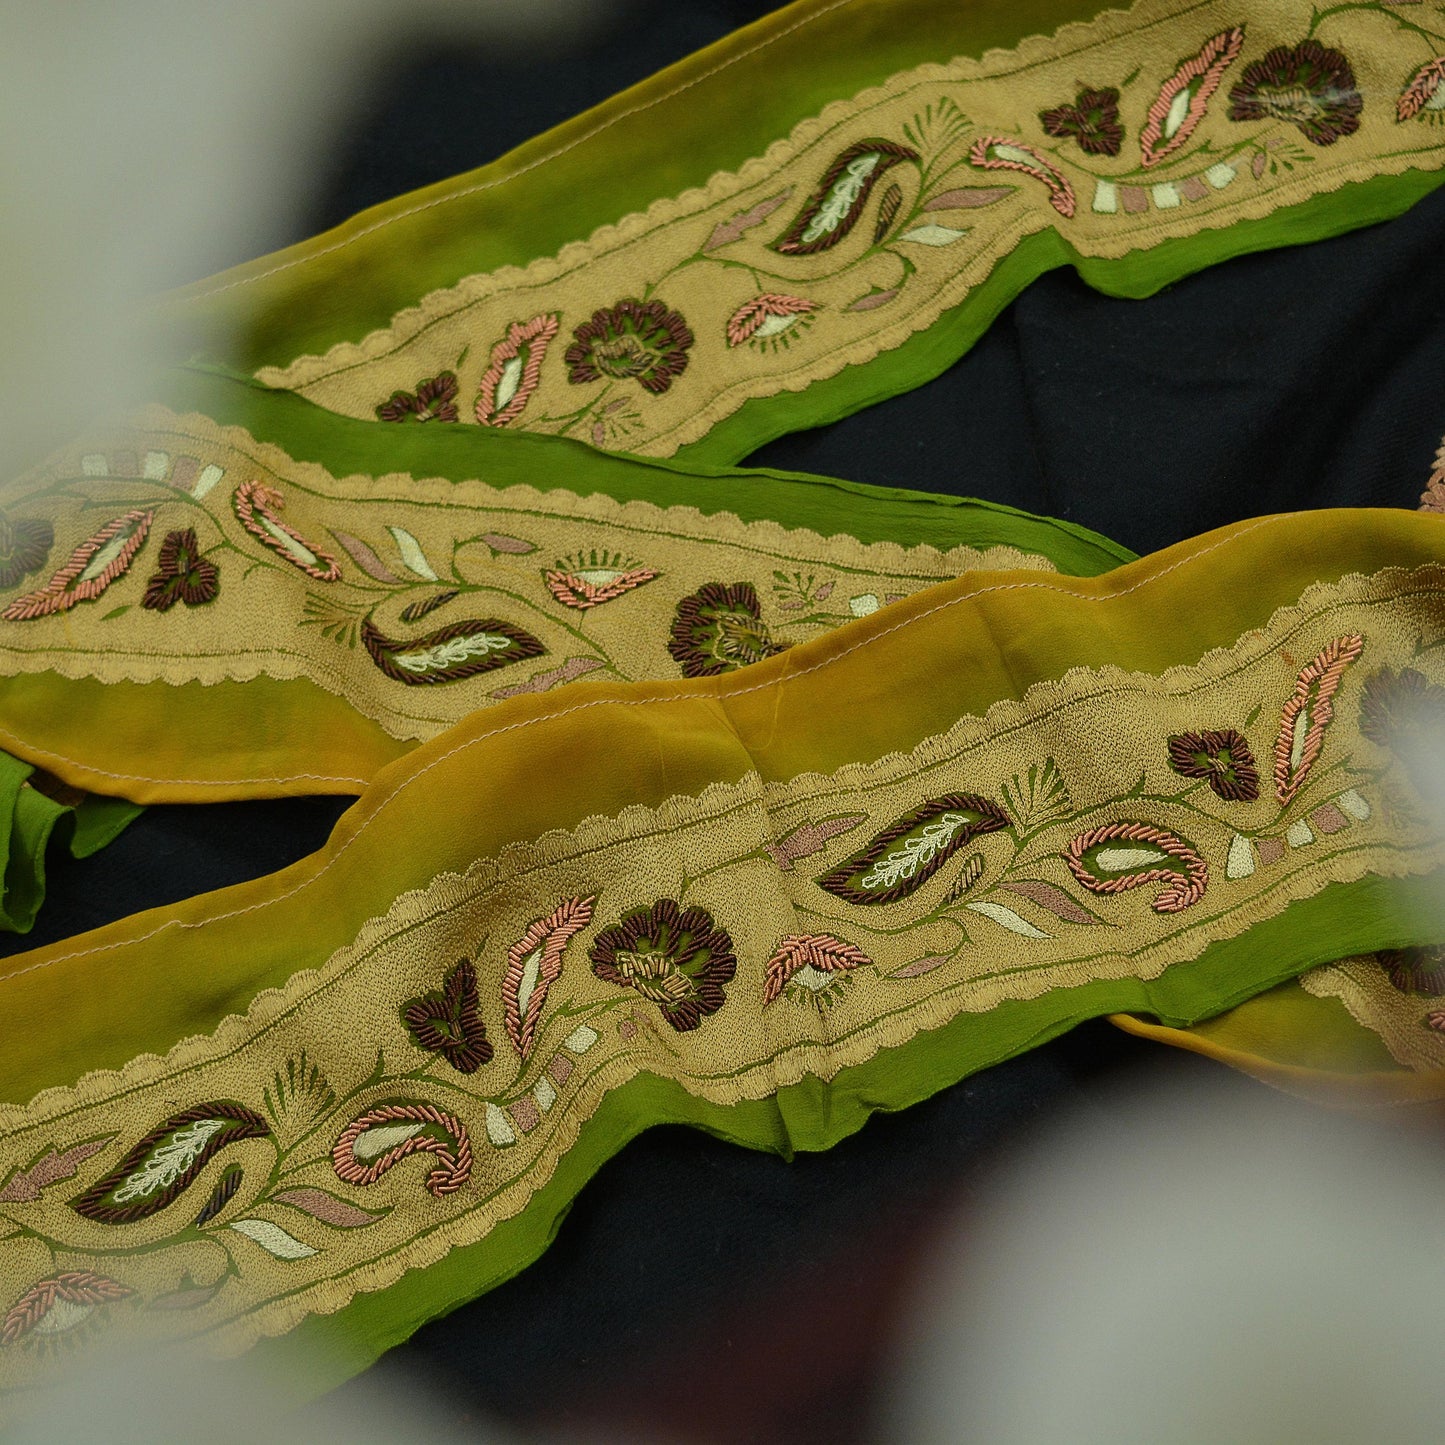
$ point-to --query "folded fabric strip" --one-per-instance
(829, 208)
(211, 617)
(34, 807)
(766, 904)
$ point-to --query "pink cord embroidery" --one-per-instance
(515, 369)
(1000, 153)
(257, 506)
(1199, 76)
(454, 1155)
(547, 938)
(1184, 889)
(1311, 709)
(809, 950)
(71, 584)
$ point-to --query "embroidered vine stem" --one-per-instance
(1318, 18)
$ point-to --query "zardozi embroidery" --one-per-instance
(884, 212)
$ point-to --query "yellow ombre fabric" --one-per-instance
(351, 1095)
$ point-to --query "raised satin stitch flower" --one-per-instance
(182, 575)
(1308, 85)
(1425, 95)
(256, 506)
(100, 560)
(772, 316)
(1184, 97)
(435, 399)
(1222, 758)
(514, 370)
(24, 546)
(584, 581)
(1092, 120)
(632, 341)
(676, 957)
(1000, 153)
(719, 628)
(449, 1022)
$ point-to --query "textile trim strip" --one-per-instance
(886, 210)
(409, 1092)
(521, 590)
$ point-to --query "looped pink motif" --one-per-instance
(1061, 193)
(1184, 890)
(454, 1156)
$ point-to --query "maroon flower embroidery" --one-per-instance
(1415, 970)
(1000, 153)
(435, 399)
(1398, 708)
(1424, 96)
(720, 628)
(1308, 85)
(770, 317)
(1184, 97)
(24, 546)
(1092, 120)
(449, 1023)
(1222, 758)
(182, 576)
(631, 341)
(515, 369)
(676, 957)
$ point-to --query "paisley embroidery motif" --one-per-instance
(833, 209)
(903, 857)
(377, 1141)
(1120, 856)
(451, 653)
(164, 1163)
(1308, 713)
(1000, 153)
(534, 963)
(256, 506)
(93, 566)
(1184, 98)
(515, 369)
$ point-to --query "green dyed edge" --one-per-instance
(1140, 274)
(1342, 919)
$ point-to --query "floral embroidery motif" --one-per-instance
(515, 369)
(589, 581)
(58, 1304)
(449, 1023)
(720, 628)
(182, 575)
(92, 567)
(1119, 856)
(833, 209)
(1308, 713)
(256, 506)
(810, 961)
(632, 341)
(678, 958)
(1092, 120)
(165, 1163)
(1405, 713)
(1000, 153)
(534, 963)
(1415, 970)
(1222, 758)
(435, 399)
(451, 653)
(24, 546)
(771, 317)
(1184, 98)
(378, 1140)
(1308, 85)
(904, 856)
(1424, 96)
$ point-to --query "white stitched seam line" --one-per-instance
(531, 165)
(634, 702)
